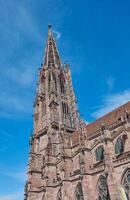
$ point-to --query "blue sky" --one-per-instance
(93, 36)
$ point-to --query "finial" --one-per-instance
(49, 26)
(49, 30)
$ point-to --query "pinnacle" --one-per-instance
(49, 26)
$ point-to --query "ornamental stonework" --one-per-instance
(68, 159)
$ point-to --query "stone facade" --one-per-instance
(68, 159)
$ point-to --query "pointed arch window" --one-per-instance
(103, 193)
(119, 146)
(49, 80)
(62, 85)
(63, 107)
(79, 192)
(126, 183)
(54, 79)
(99, 152)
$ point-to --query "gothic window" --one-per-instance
(50, 54)
(59, 195)
(119, 146)
(67, 109)
(63, 107)
(54, 79)
(62, 86)
(103, 193)
(99, 152)
(79, 192)
(126, 183)
(49, 80)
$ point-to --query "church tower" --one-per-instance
(55, 119)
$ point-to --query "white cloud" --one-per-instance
(111, 82)
(14, 103)
(19, 24)
(111, 102)
(17, 72)
(6, 140)
(23, 76)
(18, 195)
(17, 88)
(57, 34)
(20, 176)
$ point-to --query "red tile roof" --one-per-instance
(108, 119)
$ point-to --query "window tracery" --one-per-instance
(79, 192)
(103, 193)
(119, 146)
(62, 85)
(99, 152)
(126, 183)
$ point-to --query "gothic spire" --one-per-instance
(51, 57)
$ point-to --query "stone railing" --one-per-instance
(110, 127)
(121, 159)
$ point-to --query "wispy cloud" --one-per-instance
(23, 76)
(6, 140)
(19, 25)
(18, 195)
(110, 82)
(19, 176)
(21, 36)
(18, 75)
(57, 34)
(111, 102)
(14, 103)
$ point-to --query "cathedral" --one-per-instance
(69, 159)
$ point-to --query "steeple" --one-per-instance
(55, 119)
(51, 57)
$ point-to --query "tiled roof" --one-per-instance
(108, 119)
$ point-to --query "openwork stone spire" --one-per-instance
(69, 160)
(51, 58)
(55, 119)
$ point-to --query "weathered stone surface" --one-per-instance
(62, 161)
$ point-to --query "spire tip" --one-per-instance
(49, 26)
